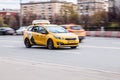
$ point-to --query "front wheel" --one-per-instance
(80, 40)
(74, 47)
(27, 43)
(50, 44)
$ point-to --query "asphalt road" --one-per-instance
(93, 53)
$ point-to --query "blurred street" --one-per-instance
(56, 23)
(94, 53)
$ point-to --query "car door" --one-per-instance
(36, 35)
(43, 35)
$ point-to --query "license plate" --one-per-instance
(71, 41)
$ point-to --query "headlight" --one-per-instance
(59, 37)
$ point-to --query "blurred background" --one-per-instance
(93, 15)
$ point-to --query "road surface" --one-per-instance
(94, 53)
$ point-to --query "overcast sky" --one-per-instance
(14, 4)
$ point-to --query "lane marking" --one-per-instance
(9, 41)
(115, 42)
(69, 52)
(89, 46)
(53, 65)
(9, 46)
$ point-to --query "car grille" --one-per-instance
(70, 38)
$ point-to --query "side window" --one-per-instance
(41, 29)
(30, 28)
(35, 29)
(38, 29)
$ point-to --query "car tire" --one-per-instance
(27, 43)
(50, 44)
(80, 40)
(74, 47)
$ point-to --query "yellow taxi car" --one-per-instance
(51, 36)
(76, 29)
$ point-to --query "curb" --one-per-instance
(115, 34)
(118, 35)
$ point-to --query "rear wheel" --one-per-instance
(74, 47)
(3, 33)
(27, 43)
(50, 44)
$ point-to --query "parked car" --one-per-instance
(77, 29)
(21, 30)
(51, 36)
(6, 31)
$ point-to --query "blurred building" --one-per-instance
(117, 2)
(46, 10)
(12, 12)
(89, 7)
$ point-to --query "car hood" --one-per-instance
(65, 35)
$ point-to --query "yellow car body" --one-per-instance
(51, 36)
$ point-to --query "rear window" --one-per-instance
(76, 27)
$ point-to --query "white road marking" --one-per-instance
(8, 46)
(9, 41)
(69, 52)
(54, 65)
(116, 43)
(89, 46)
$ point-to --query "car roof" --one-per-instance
(70, 25)
(51, 25)
(42, 25)
(6, 28)
(40, 21)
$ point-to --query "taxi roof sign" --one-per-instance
(34, 22)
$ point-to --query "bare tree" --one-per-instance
(69, 14)
(1, 21)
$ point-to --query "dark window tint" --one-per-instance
(41, 29)
(75, 27)
(35, 29)
(38, 29)
(64, 27)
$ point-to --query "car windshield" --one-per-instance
(56, 29)
(75, 27)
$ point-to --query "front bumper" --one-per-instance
(66, 43)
